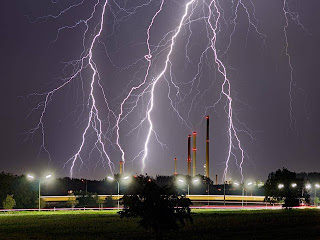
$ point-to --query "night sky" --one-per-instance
(34, 60)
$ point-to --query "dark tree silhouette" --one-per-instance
(158, 208)
(289, 193)
(24, 192)
(87, 199)
(109, 202)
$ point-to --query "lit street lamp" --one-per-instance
(39, 181)
(308, 186)
(249, 184)
(236, 184)
(194, 181)
(118, 182)
(280, 186)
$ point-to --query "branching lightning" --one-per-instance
(148, 58)
(292, 83)
(151, 103)
(104, 124)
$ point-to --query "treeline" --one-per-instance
(24, 191)
(312, 177)
(21, 192)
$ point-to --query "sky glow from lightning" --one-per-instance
(102, 117)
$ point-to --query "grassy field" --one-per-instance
(207, 224)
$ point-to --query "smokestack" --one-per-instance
(189, 155)
(175, 166)
(207, 148)
(194, 157)
(216, 179)
(121, 167)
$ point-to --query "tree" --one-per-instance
(99, 201)
(86, 199)
(158, 208)
(43, 203)
(316, 201)
(285, 185)
(25, 194)
(109, 202)
(9, 202)
(72, 201)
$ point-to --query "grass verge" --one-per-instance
(207, 224)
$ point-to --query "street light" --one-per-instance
(316, 186)
(293, 185)
(39, 186)
(236, 184)
(194, 181)
(243, 185)
(280, 186)
(118, 182)
(308, 186)
(249, 185)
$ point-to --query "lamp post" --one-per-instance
(249, 184)
(118, 182)
(224, 192)
(39, 186)
(315, 191)
(236, 184)
(194, 181)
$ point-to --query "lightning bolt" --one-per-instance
(151, 102)
(86, 60)
(292, 83)
(148, 57)
(225, 88)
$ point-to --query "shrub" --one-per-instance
(109, 202)
(9, 202)
(43, 203)
(72, 202)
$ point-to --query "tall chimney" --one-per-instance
(189, 155)
(121, 167)
(207, 148)
(194, 157)
(175, 166)
(216, 179)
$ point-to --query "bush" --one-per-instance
(43, 203)
(72, 202)
(9, 202)
(86, 199)
(99, 201)
(109, 202)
